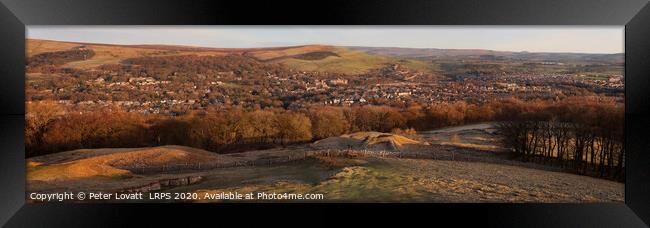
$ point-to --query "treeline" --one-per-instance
(584, 135)
(165, 68)
(44, 61)
(578, 132)
(50, 128)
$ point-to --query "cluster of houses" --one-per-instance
(305, 88)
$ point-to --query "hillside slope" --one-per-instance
(322, 58)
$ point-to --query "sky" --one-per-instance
(582, 39)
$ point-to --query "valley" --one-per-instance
(344, 123)
(178, 80)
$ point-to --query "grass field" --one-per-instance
(106, 162)
(419, 180)
(35, 47)
(352, 62)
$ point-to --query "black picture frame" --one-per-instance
(633, 14)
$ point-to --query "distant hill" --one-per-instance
(303, 58)
(324, 58)
(428, 52)
(618, 57)
(477, 53)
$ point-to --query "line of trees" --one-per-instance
(44, 62)
(585, 135)
(577, 132)
(51, 128)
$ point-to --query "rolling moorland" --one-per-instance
(353, 123)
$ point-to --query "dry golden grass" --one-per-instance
(372, 138)
(354, 183)
(35, 47)
(348, 61)
(112, 54)
(73, 165)
(74, 170)
(424, 180)
(397, 140)
(367, 140)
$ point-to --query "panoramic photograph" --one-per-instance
(367, 114)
